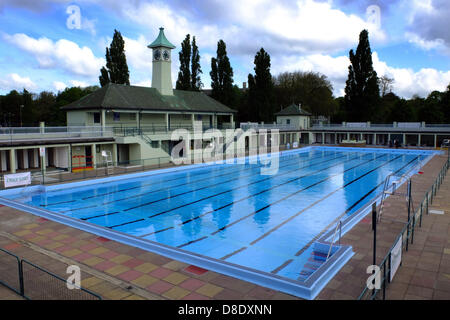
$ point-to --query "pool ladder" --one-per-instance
(390, 189)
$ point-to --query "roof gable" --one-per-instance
(293, 110)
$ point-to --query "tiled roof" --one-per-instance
(144, 98)
(161, 41)
(293, 110)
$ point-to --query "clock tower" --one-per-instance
(162, 61)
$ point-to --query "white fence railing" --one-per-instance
(12, 134)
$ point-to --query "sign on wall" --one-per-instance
(42, 151)
(17, 179)
(396, 257)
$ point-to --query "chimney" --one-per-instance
(244, 85)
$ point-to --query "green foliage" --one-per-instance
(116, 70)
(310, 89)
(184, 75)
(222, 77)
(190, 69)
(196, 70)
(260, 95)
(44, 106)
(362, 93)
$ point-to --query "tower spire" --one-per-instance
(161, 66)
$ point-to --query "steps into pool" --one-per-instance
(316, 259)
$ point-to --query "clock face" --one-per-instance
(157, 54)
(166, 55)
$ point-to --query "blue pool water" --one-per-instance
(233, 212)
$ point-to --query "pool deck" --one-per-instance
(117, 271)
(425, 270)
(114, 270)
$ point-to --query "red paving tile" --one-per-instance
(195, 270)
(62, 249)
(82, 256)
(69, 240)
(104, 265)
(160, 287)
(161, 273)
(11, 246)
(31, 236)
(52, 234)
(41, 220)
(133, 263)
(108, 255)
(101, 239)
(44, 242)
(89, 247)
(130, 275)
(192, 284)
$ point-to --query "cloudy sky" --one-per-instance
(43, 46)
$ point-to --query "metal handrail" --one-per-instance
(338, 226)
(409, 228)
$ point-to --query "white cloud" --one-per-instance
(59, 86)
(142, 83)
(310, 27)
(137, 53)
(15, 82)
(63, 54)
(407, 81)
(427, 45)
(76, 83)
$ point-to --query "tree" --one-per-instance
(260, 86)
(431, 110)
(362, 92)
(196, 70)
(104, 77)
(386, 85)
(184, 75)
(116, 70)
(222, 76)
(313, 90)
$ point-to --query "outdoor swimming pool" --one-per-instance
(255, 224)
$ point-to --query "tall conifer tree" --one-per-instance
(260, 87)
(116, 70)
(362, 92)
(184, 75)
(196, 69)
(222, 76)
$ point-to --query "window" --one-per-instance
(288, 121)
(96, 117)
(155, 144)
(133, 116)
(199, 117)
(116, 116)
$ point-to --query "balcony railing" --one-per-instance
(269, 126)
(396, 126)
(23, 134)
(121, 130)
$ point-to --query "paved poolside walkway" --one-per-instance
(425, 270)
(113, 270)
(117, 271)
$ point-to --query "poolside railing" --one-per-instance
(100, 170)
(406, 236)
(35, 283)
(16, 135)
